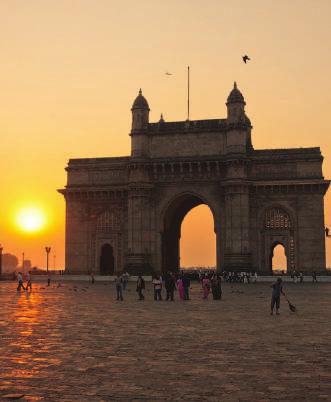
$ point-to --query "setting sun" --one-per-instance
(30, 219)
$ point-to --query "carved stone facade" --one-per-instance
(126, 213)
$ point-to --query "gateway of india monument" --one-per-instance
(125, 213)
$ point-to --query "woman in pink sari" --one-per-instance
(206, 286)
(180, 287)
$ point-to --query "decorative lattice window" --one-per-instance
(108, 221)
(277, 218)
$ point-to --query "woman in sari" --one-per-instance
(180, 287)
(206, 286)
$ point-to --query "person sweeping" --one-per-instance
(277, 290)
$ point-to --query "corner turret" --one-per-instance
(140, 113)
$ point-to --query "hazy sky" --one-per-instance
(70, 71)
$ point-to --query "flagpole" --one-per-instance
(188, 92)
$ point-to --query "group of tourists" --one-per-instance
(170, 282)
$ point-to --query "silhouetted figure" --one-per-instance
(314, 275)
(92, 278)
(216, 287)
(49, 281)
(170, 285)
(277, 290)
(141, 287)
(186, 285)
(245, 58)
(327, 230)
(20, 282)
(28, 281)
(119, 287)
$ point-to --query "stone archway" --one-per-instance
(272, 254)
(172, 221)
(107, 264)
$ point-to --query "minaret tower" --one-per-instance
(239, 125)
(140, 119)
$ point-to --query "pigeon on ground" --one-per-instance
(245, 58)
(167, 73)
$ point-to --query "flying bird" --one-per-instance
(167, 73)
(245, 58)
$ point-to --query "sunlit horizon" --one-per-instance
(70, 72)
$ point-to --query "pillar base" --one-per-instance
(139, 264)
(237, 262)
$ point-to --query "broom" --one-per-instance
(291, 306)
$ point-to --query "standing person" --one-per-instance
(125, 277)
(140, 287)
(20, 282)
(28, 281)
(119, 287)
(314, 275)
(277, 290)
(206, 286)
(92, 278)
(301, 277)
(157, 283)
(180, 288)
(186, 285)
(216, 287)
(48, 280)
(170, 286)
(255, 277)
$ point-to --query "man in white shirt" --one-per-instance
(157, 283)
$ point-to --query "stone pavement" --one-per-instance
(58, 344)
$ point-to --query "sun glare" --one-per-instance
(30, 219)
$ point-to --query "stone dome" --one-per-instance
(235, 95)
(140, 102)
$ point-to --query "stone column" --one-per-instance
(140, 230)
(237, 248)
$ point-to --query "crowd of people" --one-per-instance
(164, 287)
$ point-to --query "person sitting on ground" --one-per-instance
(277, 290)
(140, 287)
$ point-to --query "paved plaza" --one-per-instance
(79, 344)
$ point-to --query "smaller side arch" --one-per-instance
(107, 261)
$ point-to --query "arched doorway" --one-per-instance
(198, 239)
(171, 235)
(107, 265)
(278, 259)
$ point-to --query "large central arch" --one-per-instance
(173, 217)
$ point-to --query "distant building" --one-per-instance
(125, 213)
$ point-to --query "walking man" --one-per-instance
(20, 282)
(28, 281)
(119, 287)
(141, 287)
(277, 290)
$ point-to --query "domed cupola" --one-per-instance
(140, 102)
(140, 112)
(235, 96)
(236, 106)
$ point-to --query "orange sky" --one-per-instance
(70, 70)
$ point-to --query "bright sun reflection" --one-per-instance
(30, 219)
